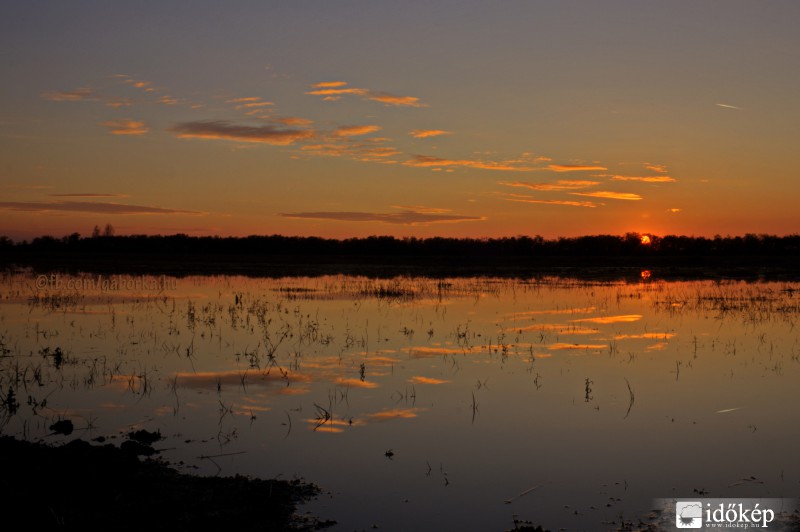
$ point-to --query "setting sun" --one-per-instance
(645, 240)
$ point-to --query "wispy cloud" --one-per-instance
(254, 105)
(521, 198)
(251, 104)
(26, 187)
(354, 131)
(88, 206)
(574, 167)
(245, 99)
(370, 149)
(126, 127)
(146, 86)
(220, 129)
(333, 90)
(660, 168)
(431, 161)
(294, 121)
(392, 99)
(561, 184)
(674, 210)
(75, 95)
(645, 179)
(118, 102)
(401, 218)
(329, 84)
(88, 195)
(421, 208)
(609, 195)
(426, 133)
(726, 106)
(335, 94)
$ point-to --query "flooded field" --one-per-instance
(427, 404)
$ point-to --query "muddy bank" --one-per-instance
(82, 486)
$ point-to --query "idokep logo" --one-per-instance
(689, 514)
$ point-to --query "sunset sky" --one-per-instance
(353, 118)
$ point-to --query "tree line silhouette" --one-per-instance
(597, 250)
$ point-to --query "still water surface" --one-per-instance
(425, 403)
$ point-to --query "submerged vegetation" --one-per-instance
(389, 391)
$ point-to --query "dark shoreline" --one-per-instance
(81, 486)
(580, 268)
(589, 257)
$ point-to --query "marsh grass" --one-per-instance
(353, 351)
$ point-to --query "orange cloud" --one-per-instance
(116, 103)
(425, 133)
(89, 195)
(335, 89)
(342, 143)
(610, 195)
(401, 218)
(660, 168)
(87, 206)
(126, 127)
(352, 131)
(391, 99)
(337, 92)
(520, 198)
(561, 184)
(646, 179)
(385, 151)
(574, 167)
(218, 129)
(245, 99)
(294, 121)
(421, 208)
(431, 161)
(327, 84)
(70, 96)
